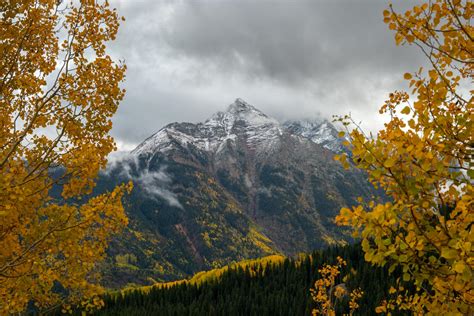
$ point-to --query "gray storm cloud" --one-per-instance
(291, 59)
(289, 41)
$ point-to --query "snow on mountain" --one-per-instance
(318, 131)
(241, 121)
(245, 121)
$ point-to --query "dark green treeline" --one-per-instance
(279, 289)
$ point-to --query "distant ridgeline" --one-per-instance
(271, 285)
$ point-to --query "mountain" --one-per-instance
(240, 120)
(244, 120)
(239, 185)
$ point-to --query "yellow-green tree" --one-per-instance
(58, 91)
(423, 161)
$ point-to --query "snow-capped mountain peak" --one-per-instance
(241, 121)
(243, 113)
(240, 105)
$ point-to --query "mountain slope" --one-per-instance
(239, 185)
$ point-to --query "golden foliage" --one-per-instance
(327, 293)
(259, 240)
(216, 274)
(58, 91)
(423, 161)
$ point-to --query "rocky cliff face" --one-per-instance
(237, 186)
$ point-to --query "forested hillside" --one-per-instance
(259, 287)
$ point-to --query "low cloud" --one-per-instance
(154, 183)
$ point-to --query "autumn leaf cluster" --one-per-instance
(327, 292)
(423, 160)
(58, 91)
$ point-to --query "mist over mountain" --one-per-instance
(239, 185)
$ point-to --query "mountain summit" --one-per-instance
(240, 106)
(240, 121)
(239, 185)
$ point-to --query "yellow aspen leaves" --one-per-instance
(328, 292)
(389, 163)
(422, 159)
(406, 110)
(55, 76)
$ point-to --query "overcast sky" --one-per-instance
(289, 58)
